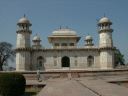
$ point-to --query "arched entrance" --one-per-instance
(65, 61)
(40, 63)
(90, 61)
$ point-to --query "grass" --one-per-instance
(32, 91)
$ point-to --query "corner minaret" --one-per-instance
(105, 33)
(23, 45)
(23, 33)
(106, 43)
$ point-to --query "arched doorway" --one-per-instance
(65, 61)
(40, 63)
(90, 61)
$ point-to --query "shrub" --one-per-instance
(12, 84)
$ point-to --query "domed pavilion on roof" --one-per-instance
(63, 37)
(64, 54)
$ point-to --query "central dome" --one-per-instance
(64, 31)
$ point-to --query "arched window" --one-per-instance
(75, 62)
(40, 62)
(55, 63)
(75, 58)
(90, 61)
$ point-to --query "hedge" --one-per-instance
(12, 84)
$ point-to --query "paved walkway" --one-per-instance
(103, 88)
(86, 86)
(65, 88)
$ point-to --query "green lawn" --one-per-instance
(32, 91)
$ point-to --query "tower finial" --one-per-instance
(67, 27)
(104, 15)
(60, 27)
(24, 15)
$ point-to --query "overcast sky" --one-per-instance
(80, 15)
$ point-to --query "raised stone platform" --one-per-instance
(73, 73)
(32, 75)
(80, 82)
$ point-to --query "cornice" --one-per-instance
(105, 30)
(24, 31)
(65, 49)
(23, 49)
(107, 48)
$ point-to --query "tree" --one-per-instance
(119, 58)
(6, 52)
